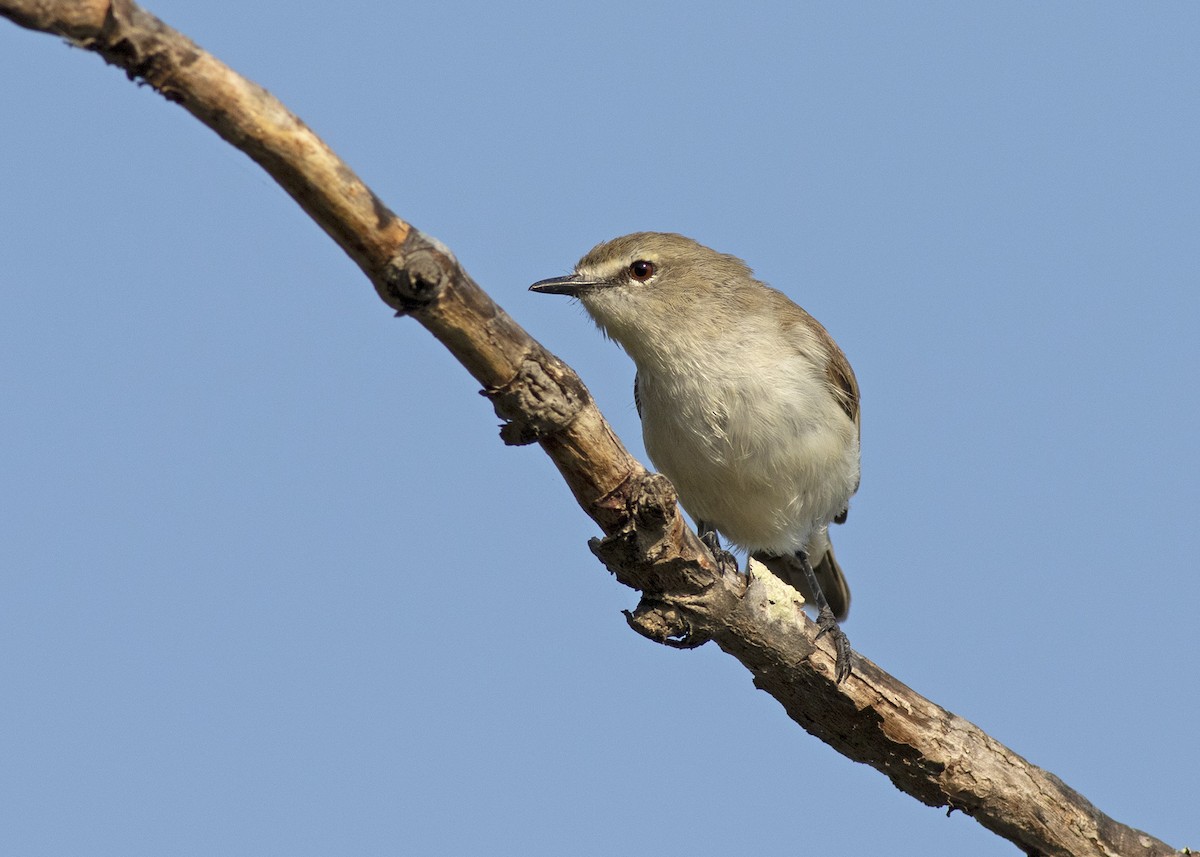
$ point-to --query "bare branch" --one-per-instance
(938, 758)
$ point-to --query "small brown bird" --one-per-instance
(747, 404)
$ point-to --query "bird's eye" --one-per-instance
(641, 270)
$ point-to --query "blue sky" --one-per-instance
(272, 585)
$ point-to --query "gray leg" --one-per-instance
(827, 623)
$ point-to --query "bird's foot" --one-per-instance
(726, 561)
(841, 644)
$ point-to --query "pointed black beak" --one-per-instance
(571, 285)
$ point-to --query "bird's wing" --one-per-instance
(838, 375)
(841, 382)
(841, 379)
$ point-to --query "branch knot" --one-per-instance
(417, 278)
(665, 624)
(544, 397)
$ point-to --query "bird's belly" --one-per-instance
(766, 474)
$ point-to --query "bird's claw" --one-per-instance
(726, 561)
(841, 644)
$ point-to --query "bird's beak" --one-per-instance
(571, 285)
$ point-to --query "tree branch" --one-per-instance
(938, 758)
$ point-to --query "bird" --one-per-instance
(747, 404)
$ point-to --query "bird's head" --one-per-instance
(649, 288)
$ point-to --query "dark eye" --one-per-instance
(641, 270)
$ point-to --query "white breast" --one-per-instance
(760, 450)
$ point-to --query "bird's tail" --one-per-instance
(825, 567)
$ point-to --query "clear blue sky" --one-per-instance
(272, 585)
